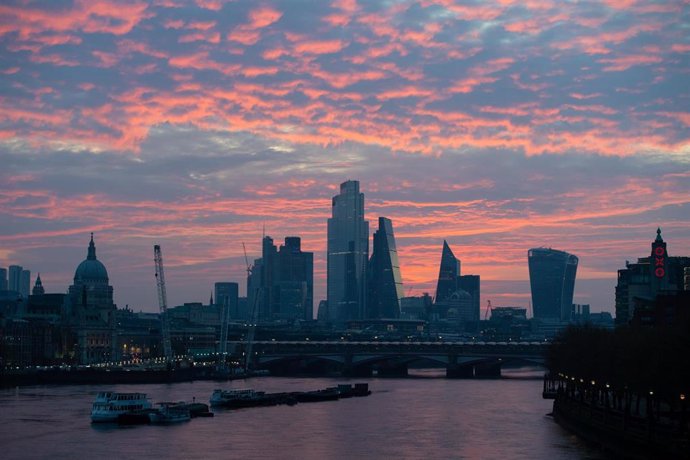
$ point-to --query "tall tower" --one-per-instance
(384, 283)
(552, 281)
(3, 279)
(15, 276)
(448, 274)
(347, 254)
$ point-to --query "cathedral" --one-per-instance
(91, 311)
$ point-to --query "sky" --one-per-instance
(198, 125)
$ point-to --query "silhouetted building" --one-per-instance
(640, 283)
(448, 274)
(384, 283)
(25, 283)
(38, 287)
(457, 296)
(226, 294)
(295, 284)
(471, 285)
(282, 282)
(3, 279)
(347, 254)
(15, 277)
(552, 281)
(416, 307)
(92, 311)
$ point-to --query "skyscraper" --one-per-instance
(226, 293)
(3, 279)
(447, 274)
(552, 281)
(283, 280)
(294, 286)
(15, 275)
(471, 285)
(25, 283)
(347, 254)
(384, 283)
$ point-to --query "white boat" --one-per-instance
(109, 404)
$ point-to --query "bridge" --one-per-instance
(349, 358)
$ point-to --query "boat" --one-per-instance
(225, 397)
(327, 394)
(167, 413)
(109, 405)
(237, 399)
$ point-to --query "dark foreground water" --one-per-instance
(415, 418)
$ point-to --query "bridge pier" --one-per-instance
(385, 370)
(456, 371)
(491, 369)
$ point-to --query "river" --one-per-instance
(422, 417)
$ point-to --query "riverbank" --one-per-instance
(624, 436)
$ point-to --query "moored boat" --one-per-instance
(109, 405)
(167, 413)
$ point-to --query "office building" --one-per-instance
(384, 283)
(471, 285)
(281, 283)
(25, 283)
(14, 278)
(3, 279)
(448, 274)
(552, 282)
(226, 295)
(347, 254)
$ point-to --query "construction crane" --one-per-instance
(253, 315)
(224, 320)
(488, 310)
(162, 303)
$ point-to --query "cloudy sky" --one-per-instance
(497, 126)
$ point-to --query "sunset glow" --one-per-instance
(498, 126)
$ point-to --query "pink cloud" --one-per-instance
(625, 62)
(320, 46)
(263, 17)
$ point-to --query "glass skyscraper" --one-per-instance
(552, 281)
(384, 283)
(347, 254)
(448, 274)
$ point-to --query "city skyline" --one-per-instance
(498, 127)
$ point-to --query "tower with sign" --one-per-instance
(659, 264)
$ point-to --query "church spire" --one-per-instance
(92, 250)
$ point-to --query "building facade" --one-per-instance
(92, 311)
(448, 274)
(3, 279)
(384, 283)
(347, 254)
(14, 278)
(552, 282)
(226, 295)
(640, 283)
(281, 283)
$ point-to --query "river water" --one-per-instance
(423, 417)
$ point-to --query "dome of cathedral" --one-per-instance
(91, 270)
